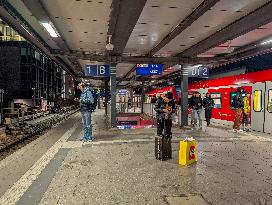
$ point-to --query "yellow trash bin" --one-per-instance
(187, 151)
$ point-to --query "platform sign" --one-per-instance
(149, 69)
(97, 70)
(198, 72)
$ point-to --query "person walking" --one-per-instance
(86, 102)
(246, 112)
(208, 104)
(238, 106)
(197, 109)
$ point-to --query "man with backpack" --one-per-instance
(238, 106)
(86, 108)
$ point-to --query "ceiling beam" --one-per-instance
(139, 59)
(23, 30)
(248, 47)
(253, 20)
(124, 17)
(254, 52)
(184, 24)
(36, 7)
(38, 10)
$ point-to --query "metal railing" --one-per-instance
(125, 107)
(150, 112)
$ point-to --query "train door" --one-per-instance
(268, 108)
(257, 102)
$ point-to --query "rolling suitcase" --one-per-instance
(163, 148)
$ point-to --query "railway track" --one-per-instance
(31, 132)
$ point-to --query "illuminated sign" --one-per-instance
(198, 72)
(97, 70)
(149, 69)
(122, 92)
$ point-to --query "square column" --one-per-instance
(142, 98)
(106, 95)
(113, 94)
(184, 96)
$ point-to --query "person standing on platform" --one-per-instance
(129, 103)
(208, 105)
(154, 99)
(238, 106)
(170, 108)
(159, 108)
(246, 112)
(197, 109)
(86, 105)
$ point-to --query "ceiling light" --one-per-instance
(50, 29)
(266, 42)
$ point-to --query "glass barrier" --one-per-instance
(257, 102)
(269, 105)
(125, 107)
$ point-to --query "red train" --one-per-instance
(258, 84)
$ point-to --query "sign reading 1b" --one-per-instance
(97, 70)
(149, 69)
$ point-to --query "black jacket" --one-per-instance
(208, 103)
(196, 103)
(160, 105)
(238, 101)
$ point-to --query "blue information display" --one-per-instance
(198, 72)
(149, 69)
(97, 70)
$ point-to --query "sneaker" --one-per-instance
(87, 140)
(241, 130)
(235, 130)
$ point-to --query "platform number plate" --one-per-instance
(97, 70)
(198, 72)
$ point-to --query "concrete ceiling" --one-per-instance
(149, 28)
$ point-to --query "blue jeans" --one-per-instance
(87, 125)
(197, 117)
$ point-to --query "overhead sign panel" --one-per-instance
(198, 72)
(149, 69)
(97, 70)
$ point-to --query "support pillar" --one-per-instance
(184, 96)
(98, 100)
(106, 95)
(113, 94)
(143, 98)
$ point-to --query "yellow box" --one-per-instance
(187, 152)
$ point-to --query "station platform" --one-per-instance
(119, 167)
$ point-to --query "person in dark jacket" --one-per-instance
(190, 103)
(86, 106)
(208, 105)
(196, 104)
(171, 108)
(165, 107)
(238, 106)
(159, 108)
(153, 100)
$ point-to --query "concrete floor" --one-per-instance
(119, 168)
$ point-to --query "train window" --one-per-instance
(232, 95)
(217, 98)
(257, 101)
(269, 105)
